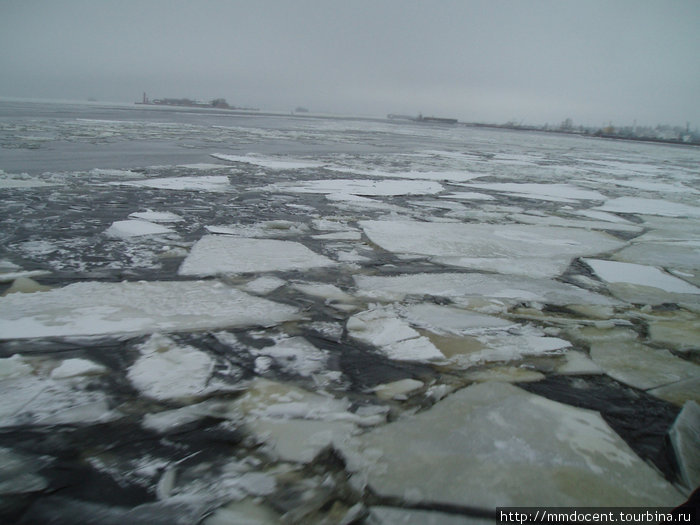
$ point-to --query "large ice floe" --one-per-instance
(214, 183)
(506, 289)
(539, 251)
(358, 187)
(98, 308)
(493, 444)
(218, 254)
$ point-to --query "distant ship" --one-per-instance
(421, 118)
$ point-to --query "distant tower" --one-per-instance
(145, 98)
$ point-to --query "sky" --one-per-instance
(495, 61)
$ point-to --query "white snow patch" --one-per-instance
(216, 254)
(96, 308)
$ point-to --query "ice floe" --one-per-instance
(170, 371)
(464, 285)
(394, 337)
(215, 183)
(20, 473)
(537, 191)
(685, 436)
(641, 366)
(398, 389)
(493, 444)
(221, 254)
(156, 216)
(513, 248)
(358, 187)
(297, 425)
(271, 163)
(77, 367)
(97, 308)
(34, 398)
(136, 228)
(642, 206)
(620, 272)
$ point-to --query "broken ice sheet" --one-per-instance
(19, 473)
(167, 370)
(505, 288)
(641, 366)
(156, 216)
(540, 191)
(221, 254)
(644, 206)
(32, 397)
(214, 183)
(394, 337)
(100, 308)
(272, 163)
(358, 187)
(641, 284)
(510, 246)
(493, 444)
(295, 424)
(639, 274)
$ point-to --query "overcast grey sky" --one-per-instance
(536, 61)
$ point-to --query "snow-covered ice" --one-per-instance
(394, 337)
(645, 206)
(534, 250)
(98, 308)
(461, 285)
(547, 192)
(220, 254)
(358, 187)
(268, 162)
(620, 272)
(493, 444)
(213, 183)
(170, 371)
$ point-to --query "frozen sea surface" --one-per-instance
(216, 317)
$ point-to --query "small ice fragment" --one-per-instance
(135, 228)
(77, 367)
